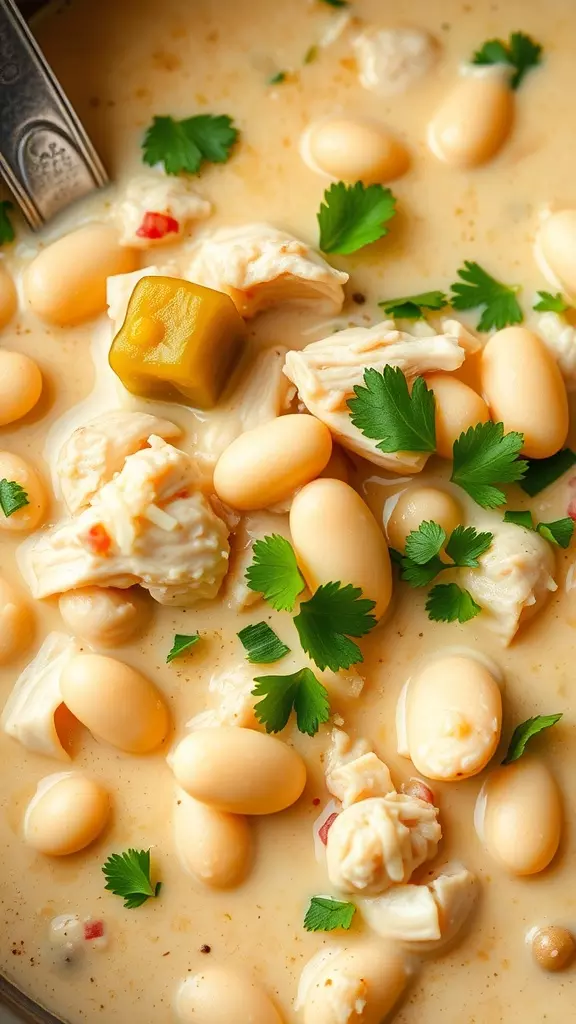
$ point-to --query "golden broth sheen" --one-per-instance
(122, 63)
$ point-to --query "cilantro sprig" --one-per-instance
(326, 622)
(183, 146)
(411, 307)
(541, 473)
(128, 875)
(261, 644)
(7, 233)
(484, 456)
(387, 412)
(274, 573)
(549, 303)
(478, 288)
(300, 691)
(12, 497)
(182, 642)
(325, 914)
(523, 734)
(558, 532)
(521, 53)
(447, 602)
(353, 216)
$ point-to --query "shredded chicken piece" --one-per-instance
(424, 916)
(560, 338)
(354, 772)
(514, 579)
(380, 842)
(260, 267)
(258, 394)
(327, 371)
(29, 712)
(232, 690)
(391, 60)
(254, 526)
(171, 196)
(94, 453)
(149, 525)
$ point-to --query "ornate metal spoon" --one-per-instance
(46, 157)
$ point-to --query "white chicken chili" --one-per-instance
(287, 504)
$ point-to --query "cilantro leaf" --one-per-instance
(520, 518)
(274, 572)
(478, 288)
(353, 216)
(447, 602)
(386, 411)
(300, 691)
(421, 575)
(12, 497)
(524, 54)
(336, 3)
(410, 308)
(520, 52)
(311, 54)
(558, 532)
(551, 303)
(540, 473)
(425, 542)
(277, 78)
(524, 732)
(325, 914)
(466, 545)
(182, 146)
(483, 456)
(262, 644)
(182, 643)
(128, 875)
(327, 621)
(7, 233)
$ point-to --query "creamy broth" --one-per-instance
(121, 64)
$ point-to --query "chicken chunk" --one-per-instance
(514, 579)
(354, 772)
(156, 209)
(93, 454)
(234, 703)
(560, 338)
(149, 525)
(260, 267)
(391, 60)
(327, 371)
(379, 842)
(425, 916)
(259, 393)
(28, 715)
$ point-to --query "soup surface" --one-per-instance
(276, 70)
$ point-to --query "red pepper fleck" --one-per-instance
(418, 789)
(572, 509)
(181, 494)
(157, 225)
(316, 801)
(93, 930)
(98, 539)
(325, 828)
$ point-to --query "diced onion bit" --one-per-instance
(93, 930)
(325, 828)
(157, 225)
(98, 539)
(419, 789)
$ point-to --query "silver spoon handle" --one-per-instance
(45, 155)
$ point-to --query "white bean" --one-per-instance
(337, 540)
(218, 995)
(66, 283)
(15, 622)
(8, 297)
(458, 407)
(20, 386)
(266, 465)
(419, 504)
(103, 616)
(213, 846)
(525, 390)
(360, 983)
(16, 470)
(474, 120)
(354, 150)
(67, 813)
(239, 770)
(116, 703)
